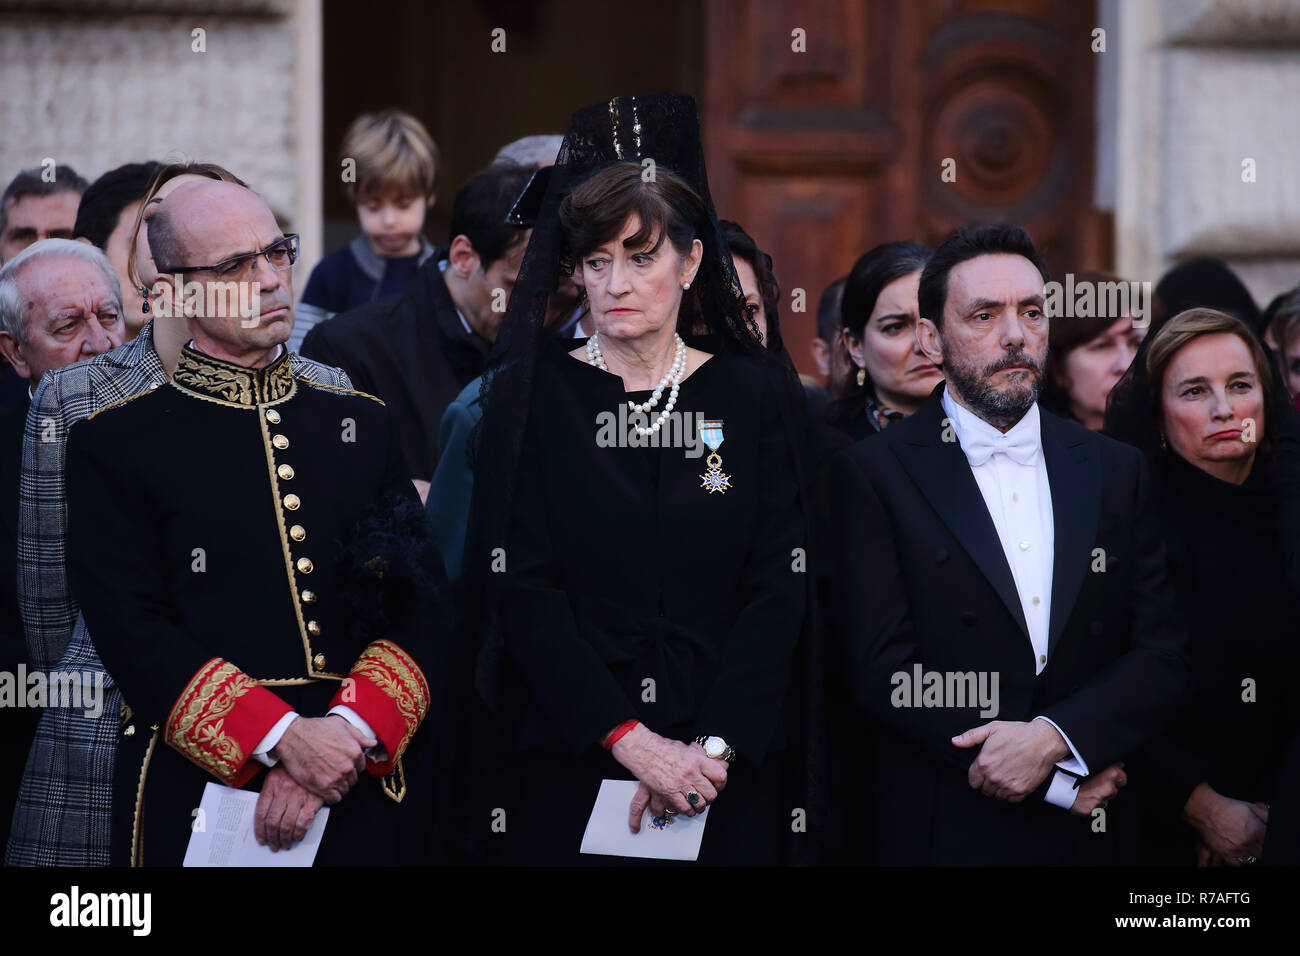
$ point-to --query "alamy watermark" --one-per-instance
(219, 299)
(946, 689)
(679, 430)
(70, 690)
(1087, 300)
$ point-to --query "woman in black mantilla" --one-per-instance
(648, 600)
(1200, 400)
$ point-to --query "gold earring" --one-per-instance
(862, 377)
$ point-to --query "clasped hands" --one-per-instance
(666, 771)
(1017, 756)
(320, 759)
(1230, 832)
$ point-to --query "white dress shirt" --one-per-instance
(1012, 476)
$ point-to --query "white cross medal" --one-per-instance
(713, 479)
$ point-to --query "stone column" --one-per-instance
(1208, 138)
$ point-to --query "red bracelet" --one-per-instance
(617, 733)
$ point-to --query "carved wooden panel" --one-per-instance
(822, 154)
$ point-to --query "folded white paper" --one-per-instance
(222, 833)
(674, 838)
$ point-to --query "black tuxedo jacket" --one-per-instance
(920, 577)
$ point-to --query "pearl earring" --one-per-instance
(685, 286)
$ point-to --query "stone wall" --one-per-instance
(1204, 87)
(98, 84)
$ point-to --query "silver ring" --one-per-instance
(1246, 859)
(692, 797)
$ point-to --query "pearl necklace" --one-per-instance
(672, 377)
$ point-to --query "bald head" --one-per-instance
(209, 223)
(200, 217)
(145, 270)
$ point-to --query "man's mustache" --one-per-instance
(1014, 358)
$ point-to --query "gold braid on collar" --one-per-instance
(206, 377)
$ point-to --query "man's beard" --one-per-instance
(1001, 409)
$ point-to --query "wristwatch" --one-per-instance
(716, 747)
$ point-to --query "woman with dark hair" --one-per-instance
(757, 284)
(1201, 402)
(637, 507)
(1086, 358)
(890, 377)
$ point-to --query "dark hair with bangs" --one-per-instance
(597, 210)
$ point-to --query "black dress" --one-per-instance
(632, 591)
(1232, 596)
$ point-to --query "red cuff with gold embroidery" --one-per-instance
(387, 688)
(220, 717)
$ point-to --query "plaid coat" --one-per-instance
(62, 817)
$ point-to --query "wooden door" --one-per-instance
(825, 151)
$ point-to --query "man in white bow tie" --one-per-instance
(1008, 549)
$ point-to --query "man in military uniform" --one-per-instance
(219, 577)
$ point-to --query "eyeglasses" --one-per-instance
(281, 254)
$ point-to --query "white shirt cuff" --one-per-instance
(262, 750)
(1061, 792)
(353, 718)
(1074, 763)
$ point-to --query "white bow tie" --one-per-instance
(1023, 448)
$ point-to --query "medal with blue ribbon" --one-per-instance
(713, 479)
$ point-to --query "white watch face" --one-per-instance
(715, 747)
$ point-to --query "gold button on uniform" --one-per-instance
(273, 416)
(285, 472)
(1036, 601)
(305, 565)
(1042, 658)
(318, 662)
(308, 597)
(280, 442)
(297, 532)
(292, 502)
(313, 629)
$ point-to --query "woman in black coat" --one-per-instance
(1207, 393)
(649, 592)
